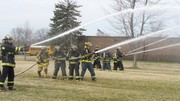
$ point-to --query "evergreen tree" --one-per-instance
(65, 18)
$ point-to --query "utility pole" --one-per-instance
(24, 50)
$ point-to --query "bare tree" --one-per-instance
(135, 24)
(22, 35)
(41, 34)
(28, 31)
(17, 34)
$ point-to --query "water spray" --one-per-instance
(154, 49)
(147, 45)
(138, 38)
(150, 8)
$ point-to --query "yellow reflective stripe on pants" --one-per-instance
(1, 83)
(8, 64)
(43, 64)
(9, 53)
(72, 62)
(10, 82)
(17, 49)
(64, 77)
(77, 77)
(86, 61)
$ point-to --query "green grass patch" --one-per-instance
(152, 82)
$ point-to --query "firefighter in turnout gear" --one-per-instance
(42, 60)
(8, 63)
(97, 58)
(60, 62)
(73, 57)
(117, 57)
(106, 60)
(86, 62)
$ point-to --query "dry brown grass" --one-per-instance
(151, 82)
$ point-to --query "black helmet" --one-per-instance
(118, 48)
(8, 37)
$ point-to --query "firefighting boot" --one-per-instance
(64, 78)
(77, 78)
(93, 78)
(39, 73)
(11, 88)
(71, 78)
(81, 78)
(45, 73)
(2, 89)
(54, 77)
(122, 70)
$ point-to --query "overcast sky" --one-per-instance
(37, 13)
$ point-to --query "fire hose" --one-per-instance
(25, 70)
(36, 63)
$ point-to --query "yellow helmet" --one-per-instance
(97, 46)
(87, 44)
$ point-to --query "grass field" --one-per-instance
(150, 82)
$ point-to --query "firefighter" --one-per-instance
(97, 58)
(106, 60)
(86, 62)
(8, 63)
(73, 57)
(42, 60)
(117, 57)
(59, 58)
